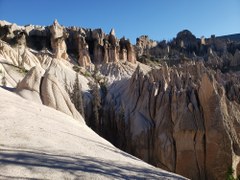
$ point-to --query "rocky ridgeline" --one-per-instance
(87, 45)
(216, 52)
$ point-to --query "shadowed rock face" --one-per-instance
(84, 59)
(144, 44)
(179, 119)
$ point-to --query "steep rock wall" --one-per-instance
(179, 119)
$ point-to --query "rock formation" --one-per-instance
(39, 142)
(54, 95)
(113, 47)
(178, 119)
(127, 50)
(185, 39)
(87, 45)
(84, 58)
(58, 41)
(235, 60)
(29, 87)
(144, 44)
(45, 89)
(181, 113)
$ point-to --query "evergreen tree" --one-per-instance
(76, 96)
(96, 105)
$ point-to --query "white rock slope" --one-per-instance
(38, 142)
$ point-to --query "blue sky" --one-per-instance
(160, 19)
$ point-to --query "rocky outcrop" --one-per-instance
(118, 71)
(58, 41)
(127, 50)
(179, 119)
(53, 95)
(44, 88)
(29, 87)
(8, 31)
(214, 60)
(19, 55)
(84, 59)
(185, 39)
(113, 48)
(144, 44)
(235, 60)
(8, 53)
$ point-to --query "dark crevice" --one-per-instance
(139, 95)
(40, 89)
(196, 156)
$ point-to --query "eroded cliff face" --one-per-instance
(179, 119)
(88, 46)
(183, 118)
(58, 36)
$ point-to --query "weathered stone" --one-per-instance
(58, 41)
(178, 123)
(84, 58)
(125, 44)
(29, 87)
(54, 95)
(235, 60)
(144, 44)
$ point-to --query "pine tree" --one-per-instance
(76, 96)
(96, 105)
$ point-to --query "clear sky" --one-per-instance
(160, 19)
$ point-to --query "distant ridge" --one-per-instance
(232, 37)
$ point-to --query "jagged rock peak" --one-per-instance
(144, 44)
(112, 32)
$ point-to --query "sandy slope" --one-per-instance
(39, 142)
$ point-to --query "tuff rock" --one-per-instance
(58, 41)
(179, 119)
